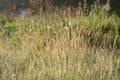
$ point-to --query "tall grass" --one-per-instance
(65, 47)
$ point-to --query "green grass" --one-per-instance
(65, 47)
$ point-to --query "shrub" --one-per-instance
(7, 26)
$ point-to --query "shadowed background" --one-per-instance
(50, 5)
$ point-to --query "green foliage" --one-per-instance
(110, 28)
(7, 26)
(8, 29)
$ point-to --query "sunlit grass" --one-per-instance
(60, 48)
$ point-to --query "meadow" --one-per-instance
(66, 46)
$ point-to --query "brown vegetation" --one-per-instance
(41, 5)
(51, 5)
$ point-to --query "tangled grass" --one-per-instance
(66, 47)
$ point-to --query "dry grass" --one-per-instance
(58, 48)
